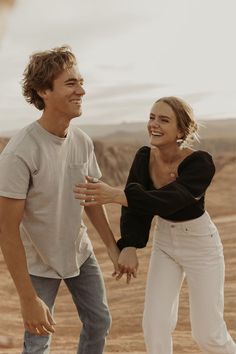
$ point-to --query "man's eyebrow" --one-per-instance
(72, 79)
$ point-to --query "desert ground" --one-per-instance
(126, 301)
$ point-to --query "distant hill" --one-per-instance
(209, 129)
(115, 145)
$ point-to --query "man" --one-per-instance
(42, 235)
(5, 6)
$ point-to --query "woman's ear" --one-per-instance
(180, 134)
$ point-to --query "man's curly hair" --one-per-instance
(43, 68)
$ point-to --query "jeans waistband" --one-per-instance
(203, 220)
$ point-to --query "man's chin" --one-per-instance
(76, 114)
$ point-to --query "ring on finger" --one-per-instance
(95, 180)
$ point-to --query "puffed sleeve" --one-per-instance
(135, 228)
(194, 176)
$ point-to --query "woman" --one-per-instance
(170, 180)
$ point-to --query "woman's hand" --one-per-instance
(98, 193)
(128, 263)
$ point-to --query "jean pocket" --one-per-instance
(215, 238)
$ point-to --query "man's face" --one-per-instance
(66, 96)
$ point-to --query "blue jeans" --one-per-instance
(88, 293)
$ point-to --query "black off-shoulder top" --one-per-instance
(180, 200)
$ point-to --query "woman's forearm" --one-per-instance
(99, 193)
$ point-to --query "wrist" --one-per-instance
(130, 249)
(120, 197)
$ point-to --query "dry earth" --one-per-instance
(126, 301)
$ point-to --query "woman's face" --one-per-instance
(162, 125)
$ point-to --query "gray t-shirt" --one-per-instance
(43, 169)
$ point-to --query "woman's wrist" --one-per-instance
(119, 197)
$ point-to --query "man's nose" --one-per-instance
(80, 90)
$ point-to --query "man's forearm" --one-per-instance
(14, 255)
(97, 216)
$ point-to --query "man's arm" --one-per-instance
(98, 217)
(36, 316)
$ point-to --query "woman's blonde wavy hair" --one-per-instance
(43, 68)
(185, 119)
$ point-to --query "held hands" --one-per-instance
(94, 192)
(128, 263)
(125, 262)
(36, 317)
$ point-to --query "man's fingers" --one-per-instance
(42, 330)
(50, 319)
(128, 278)
(38, 330)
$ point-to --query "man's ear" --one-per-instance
(43, 93)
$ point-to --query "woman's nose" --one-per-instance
(155, 122)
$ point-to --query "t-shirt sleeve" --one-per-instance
(195, 175)
(93, 168)
(14, 177)
(135, 228)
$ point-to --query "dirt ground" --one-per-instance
(126, 301)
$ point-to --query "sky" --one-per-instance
(130, 53)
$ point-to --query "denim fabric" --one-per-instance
(88, 294)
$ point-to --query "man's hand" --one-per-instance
(128, 263)
(36, 316)
(114, 252)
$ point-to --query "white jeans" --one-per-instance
(192, 249)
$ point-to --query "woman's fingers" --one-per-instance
(85, 191)
(126, 270)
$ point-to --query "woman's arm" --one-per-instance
(195, 175)
(99, 193)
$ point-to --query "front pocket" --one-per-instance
(78, 172)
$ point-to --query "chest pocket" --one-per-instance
(78, 172)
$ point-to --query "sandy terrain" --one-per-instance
(126, 302)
